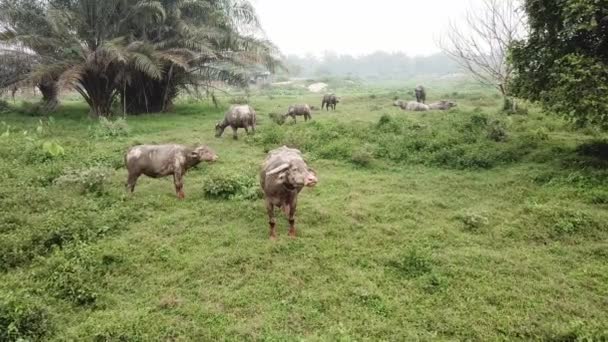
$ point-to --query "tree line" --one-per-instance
(139, 53)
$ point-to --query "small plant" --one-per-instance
(497, 131)
(73, 276)
(21, 319)
(112, 129)
(362, 156)
(239, 100)
(473, 221)
(231, 186)
(277, 118)
(412, 265)
(92, 180)
(52, 149)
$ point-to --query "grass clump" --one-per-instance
(93, 180)
(22, 319)
(231, 186)
(107, 128)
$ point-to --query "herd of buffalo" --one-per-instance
(284, 172)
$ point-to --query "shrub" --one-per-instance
(239, 100)
(231, 186)
(362, 156)
(412, 265)
(473, 221)
(92, 180)
(21, 319)
(497, 131)
(52, 149)
(74, 275)
(277, 118)
(4, 107)
(111, 129)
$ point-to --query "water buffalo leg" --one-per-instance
(271, 220)
(292, 219)
(247, 130)
(179, 184)
(131, 181)
(235, 135)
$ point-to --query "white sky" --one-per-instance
(358, 26)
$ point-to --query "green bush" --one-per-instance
(412, 265)
(227, 185)
(73, 275)
(473, 221)
(362, 156)
(111, 129)
(497, 131)
(92, 180)
(21, 319)
(277, 118)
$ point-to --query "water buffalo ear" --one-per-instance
(278, 169)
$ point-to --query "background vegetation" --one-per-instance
(467, 224)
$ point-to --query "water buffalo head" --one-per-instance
(204, 153)
(296, 174)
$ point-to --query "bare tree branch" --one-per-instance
(480, 44)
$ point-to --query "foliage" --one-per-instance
(228, 185)
(52, 149)
(563, 63)
(92, 180)
(22, 319)
(111, 129)
(375, 244)
(165, 48)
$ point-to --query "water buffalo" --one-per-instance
(330, 101)
(158, 161)
(238, 116)
(414, 106)
(284, 174)
(299, 110)
(442, 105)
(420, 93)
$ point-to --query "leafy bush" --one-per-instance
(412, 265)
(73, 276)
(21, 319)
(52, 149)
(473, 221)
(111, 129)
(231, 186)
(277, 118)
(362, 156)
(92, 180)
(4, 107)
(239, 100)
(497, 131)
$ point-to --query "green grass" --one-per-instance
(423, 227)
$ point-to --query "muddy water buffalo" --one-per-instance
(442, 105)
(400, 103)
(420, 93)
(330, 101)
(299, 110)
(414, 106)
(163, 160)
(284, 174)
(240, 116)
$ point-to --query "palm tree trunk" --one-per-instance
(50, 95)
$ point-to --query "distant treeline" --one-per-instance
(379, 64)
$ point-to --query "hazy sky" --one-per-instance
(357, 26)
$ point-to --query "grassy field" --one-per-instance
(460, 225)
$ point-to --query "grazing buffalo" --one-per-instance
(330, 101)
(299, 110)
(420, 93)
(158, 161)
(284, 174)
(240, 116)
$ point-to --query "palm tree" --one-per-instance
(143, 52)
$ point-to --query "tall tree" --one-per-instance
(141, 51)
(480, 43)
(563, 63)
